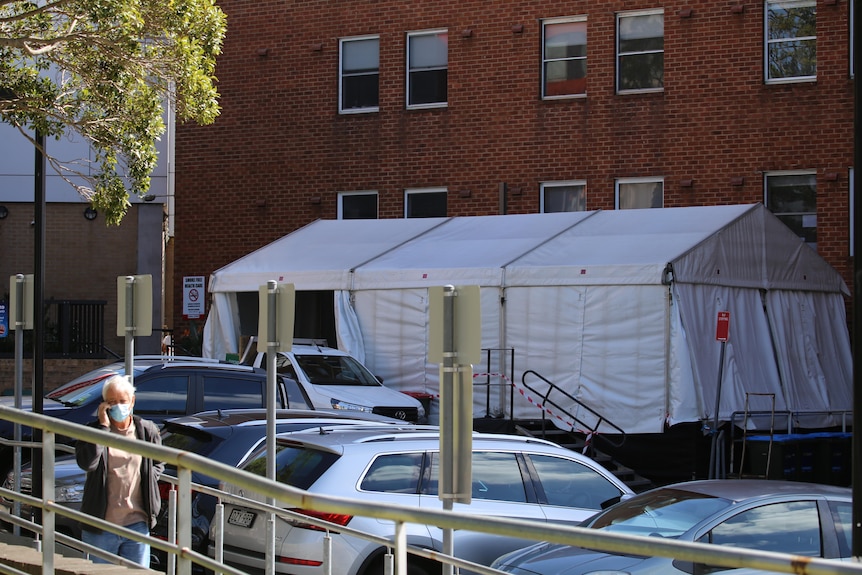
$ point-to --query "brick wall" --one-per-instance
(249, 178)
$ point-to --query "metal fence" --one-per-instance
(284, 496)
(72, 329)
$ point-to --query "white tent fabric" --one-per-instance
(617, 308)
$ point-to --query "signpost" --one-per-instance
(722, 333)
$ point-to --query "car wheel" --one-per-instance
(415, 566)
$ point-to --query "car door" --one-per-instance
(501, 488)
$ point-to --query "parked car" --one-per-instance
(333, 379)
(769, 515)
(513, 476)
(227, 436)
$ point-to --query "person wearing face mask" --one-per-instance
(121, 487)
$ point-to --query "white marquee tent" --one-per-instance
(618, 308)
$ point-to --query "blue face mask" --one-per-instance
(120, 412)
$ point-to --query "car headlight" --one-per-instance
(69, 493)
(338, 404)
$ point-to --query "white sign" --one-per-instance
(194, 297)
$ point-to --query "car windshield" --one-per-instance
(294, 465)
(88, 387)
(664, 512)
(335, 370)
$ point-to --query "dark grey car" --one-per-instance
(782, 516)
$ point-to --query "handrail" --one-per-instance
(289, 496)
(600, 419)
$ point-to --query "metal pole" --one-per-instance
(130, 328)
(857, 290)
(272, 346)
(713, 455)
(19, 388)
(38, 310)
(447, 419)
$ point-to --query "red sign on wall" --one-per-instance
(722, 326)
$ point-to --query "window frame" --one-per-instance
(767, 42)
(546, 60)
(341, 75)
(410, 71)
(416, 191)
(545, 186)
(342, 195)
(619, 55)
(644, 180)
(781, 215)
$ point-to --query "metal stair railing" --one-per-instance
(591, 431)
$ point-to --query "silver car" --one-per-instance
(769, 515)
(513, 476)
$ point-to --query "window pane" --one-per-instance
(224, 393)
(640, 60)
(162, 395)
(396, 473)
(426, 205)
(793, 59)
(497, 476)
(429, 51)
(792, 527)
(641, 33)
(564, 199)
(570, 484)
(842, 516)
(565, 77)
(359, 206)
(793, 198)
(791, 39)
(360, 76)
(428, 77)
(429, 87)
(642, 71)
(640, 195)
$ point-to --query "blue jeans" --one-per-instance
(125, 548)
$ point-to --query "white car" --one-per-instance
(513, 476)
(333, 379)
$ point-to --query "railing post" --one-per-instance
(172, 529)
(184, 518)
(218, 519)
(401, 549)
(48, 494)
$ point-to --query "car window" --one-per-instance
(394, 473)
(572, 484)
(295, 465)
(335, 370)
(842, 517)
(230, 392)
(296, 398)
(164, 395)
(789, 527)
(189, 439)
(496, 476)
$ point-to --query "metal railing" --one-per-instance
(284, 495)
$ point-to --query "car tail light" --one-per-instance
(340, 519)
(295, 561)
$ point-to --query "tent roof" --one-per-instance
(737, 245)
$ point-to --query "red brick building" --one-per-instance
(397, 109)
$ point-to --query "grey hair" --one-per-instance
(119, 383)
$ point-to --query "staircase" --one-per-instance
(544, 429)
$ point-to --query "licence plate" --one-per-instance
(241, 517)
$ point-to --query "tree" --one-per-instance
(104, 69)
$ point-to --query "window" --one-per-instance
(429, 203)
(162, 395)
(635, 193)
(792, 196)
(564, 70)
(357, 206)
(791, 41)
(792, 527)
(640, 51)
(427, 69)
(360, 75)
(230, 392)
(394, 473)
(564, 197)
(496, 476)
(571, 484)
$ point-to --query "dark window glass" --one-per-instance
(572, 198)
(427, 63)
(394, 473)
(570, 484)
(792, 527)
(166, 395)
(426, 205)
(793, 198)
(294, 465)
(842, 516)
(640, 57)
(358, 206)
(233, 393)
(360, 74)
